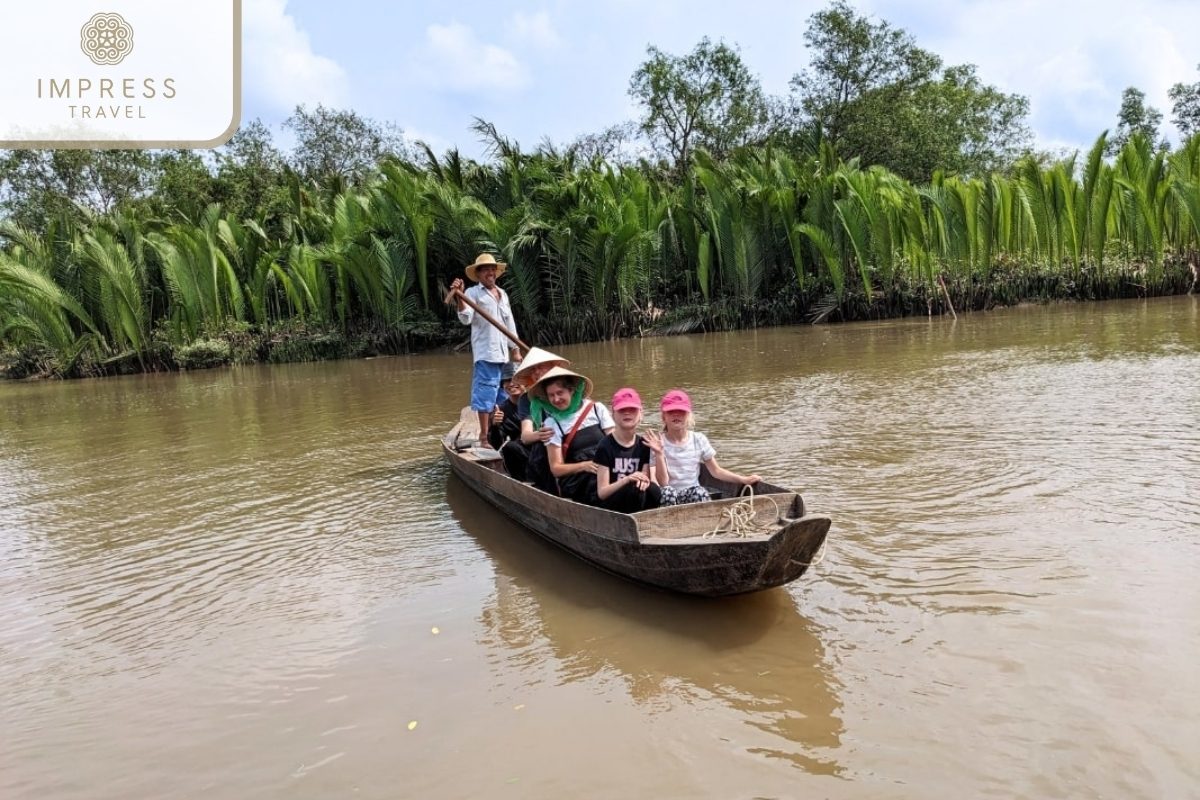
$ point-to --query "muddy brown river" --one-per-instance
(264, 583)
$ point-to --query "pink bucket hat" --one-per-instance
(676, 400)
(626, 398)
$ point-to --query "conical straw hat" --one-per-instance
(538, 390)
(536, 357)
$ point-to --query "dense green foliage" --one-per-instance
(593, 251)
(882, 177)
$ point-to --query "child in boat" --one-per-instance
(683, 450)
(577, 425)
(525, 454)
(623, 481)
(506, 420)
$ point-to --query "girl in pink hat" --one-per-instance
(623, 481)
(684, 450)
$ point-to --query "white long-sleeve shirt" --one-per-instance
(487, 343)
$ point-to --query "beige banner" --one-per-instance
(106, 42)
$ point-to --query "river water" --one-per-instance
(263, 582)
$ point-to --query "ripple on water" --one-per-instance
(251, 562)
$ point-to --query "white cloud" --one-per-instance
(279, 65)
(437, 143)
(535, 30)
(456, 59)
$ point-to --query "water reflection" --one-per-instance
(755, 655)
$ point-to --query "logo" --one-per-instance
(71, 75)
(106, 38)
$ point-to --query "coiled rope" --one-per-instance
(737, 519)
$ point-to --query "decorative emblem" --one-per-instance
(106, 38)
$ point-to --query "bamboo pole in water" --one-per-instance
(946, 294)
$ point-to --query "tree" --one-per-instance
(854, 58)
(614, 145)
(877, 96)
(37, 186)
(1135, 117)
(1185, 108)
(341, 143)
(183, 185)
(250, 173)
(707, 98)
(987, 127)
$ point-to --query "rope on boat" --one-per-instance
(820, 555)
(738, 518)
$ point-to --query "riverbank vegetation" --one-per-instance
(885, 184)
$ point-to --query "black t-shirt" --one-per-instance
(621, 461)
(509, 427)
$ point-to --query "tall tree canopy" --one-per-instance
(1135, 118)
(332, 142)
(37, 186)
(1185, 108)
(707, 98)
(879, 97)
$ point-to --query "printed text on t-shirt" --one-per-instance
(625, 466)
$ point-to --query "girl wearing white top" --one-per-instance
(684, 450)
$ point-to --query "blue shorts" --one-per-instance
(485, 386)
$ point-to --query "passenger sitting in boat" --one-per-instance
(623, 482)
(525, 455)
(506, 420)
(577, 425)
(683, 451)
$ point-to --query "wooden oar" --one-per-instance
(453, 293)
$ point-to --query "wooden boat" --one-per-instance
(727, 546)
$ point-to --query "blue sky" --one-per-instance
(558, 69)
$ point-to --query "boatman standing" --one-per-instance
(489, 347)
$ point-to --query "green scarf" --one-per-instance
(539, 409)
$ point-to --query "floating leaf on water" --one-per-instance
(435, 631)
(518, 706)
(412, 724)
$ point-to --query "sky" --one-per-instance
(556, 69)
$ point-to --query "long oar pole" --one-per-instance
(456, 293)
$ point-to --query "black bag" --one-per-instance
(537, 470)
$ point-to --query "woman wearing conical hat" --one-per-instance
(577, 425)
(518, 453)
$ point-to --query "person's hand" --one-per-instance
(540, 435)
(456, 284)
(750, 480)
(641, 480)
(497, 416)
(589, 466)
(654, 441)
